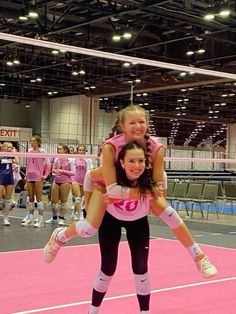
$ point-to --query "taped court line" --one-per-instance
(128, 295)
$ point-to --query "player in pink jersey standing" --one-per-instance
(63, 169)
(133, 121)
(77, 184)
(37, 170)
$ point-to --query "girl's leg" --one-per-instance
(54, 203)
(169, 215)
(38, 188)
(109, 238)
(84, 228)
(64, 191)
(138, 239)
(1, 196)
(8, 194)
(30, 205)
(78, 193)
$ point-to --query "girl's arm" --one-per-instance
(158, 171)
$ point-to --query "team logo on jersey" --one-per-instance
(127, 205)
(6, 161)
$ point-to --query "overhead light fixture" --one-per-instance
(190, 50)
(209, 16)
(127, 34)
(223, 8)
(23, 16)
(209, 13)
(116, 37)
(75, 73)
(33, 14)
(16, 60)
(126, 64)
(201, 50)
(189, 53)
(9, 63)
(55, 52)
(82, 71)
(183, 74)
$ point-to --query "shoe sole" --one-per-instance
(54, 234)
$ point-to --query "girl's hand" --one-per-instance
(159, 190)
(108, 200)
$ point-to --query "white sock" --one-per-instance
(144, 312)
(61, 237)
(94, 309)
(194, 250)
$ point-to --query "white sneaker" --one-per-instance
(28, 222)
(6, 222)
(52, 247)
(206, 267)
(75, 217)
(61, 222)
(51, 221)
(25, 218)
(39, 223)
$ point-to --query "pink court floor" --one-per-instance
(28, 285)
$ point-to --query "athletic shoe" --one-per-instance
(39, 223)
(52, 247)
(51, 221)
(28, 222)
(25, 218)
(206, 267)
(6, 222)
(61, 222)
(75, 217)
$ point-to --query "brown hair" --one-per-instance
(37, 139)
(65, 147)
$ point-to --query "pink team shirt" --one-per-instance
(130, 210)
(64, 164)
(119, 141)
(37, 167)
(80, 170)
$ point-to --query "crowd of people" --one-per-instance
(65, 174)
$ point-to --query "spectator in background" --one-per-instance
(6, 181)
(81, 166)
(37, 170)
(63, 169)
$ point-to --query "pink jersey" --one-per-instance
(66, 164)
(119, 141)
(80, 170)
(129, 210)
(37, 167)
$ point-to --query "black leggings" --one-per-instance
(138, 240)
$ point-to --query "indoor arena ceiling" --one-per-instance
(187, 108)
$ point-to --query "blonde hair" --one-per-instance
(121, 119)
